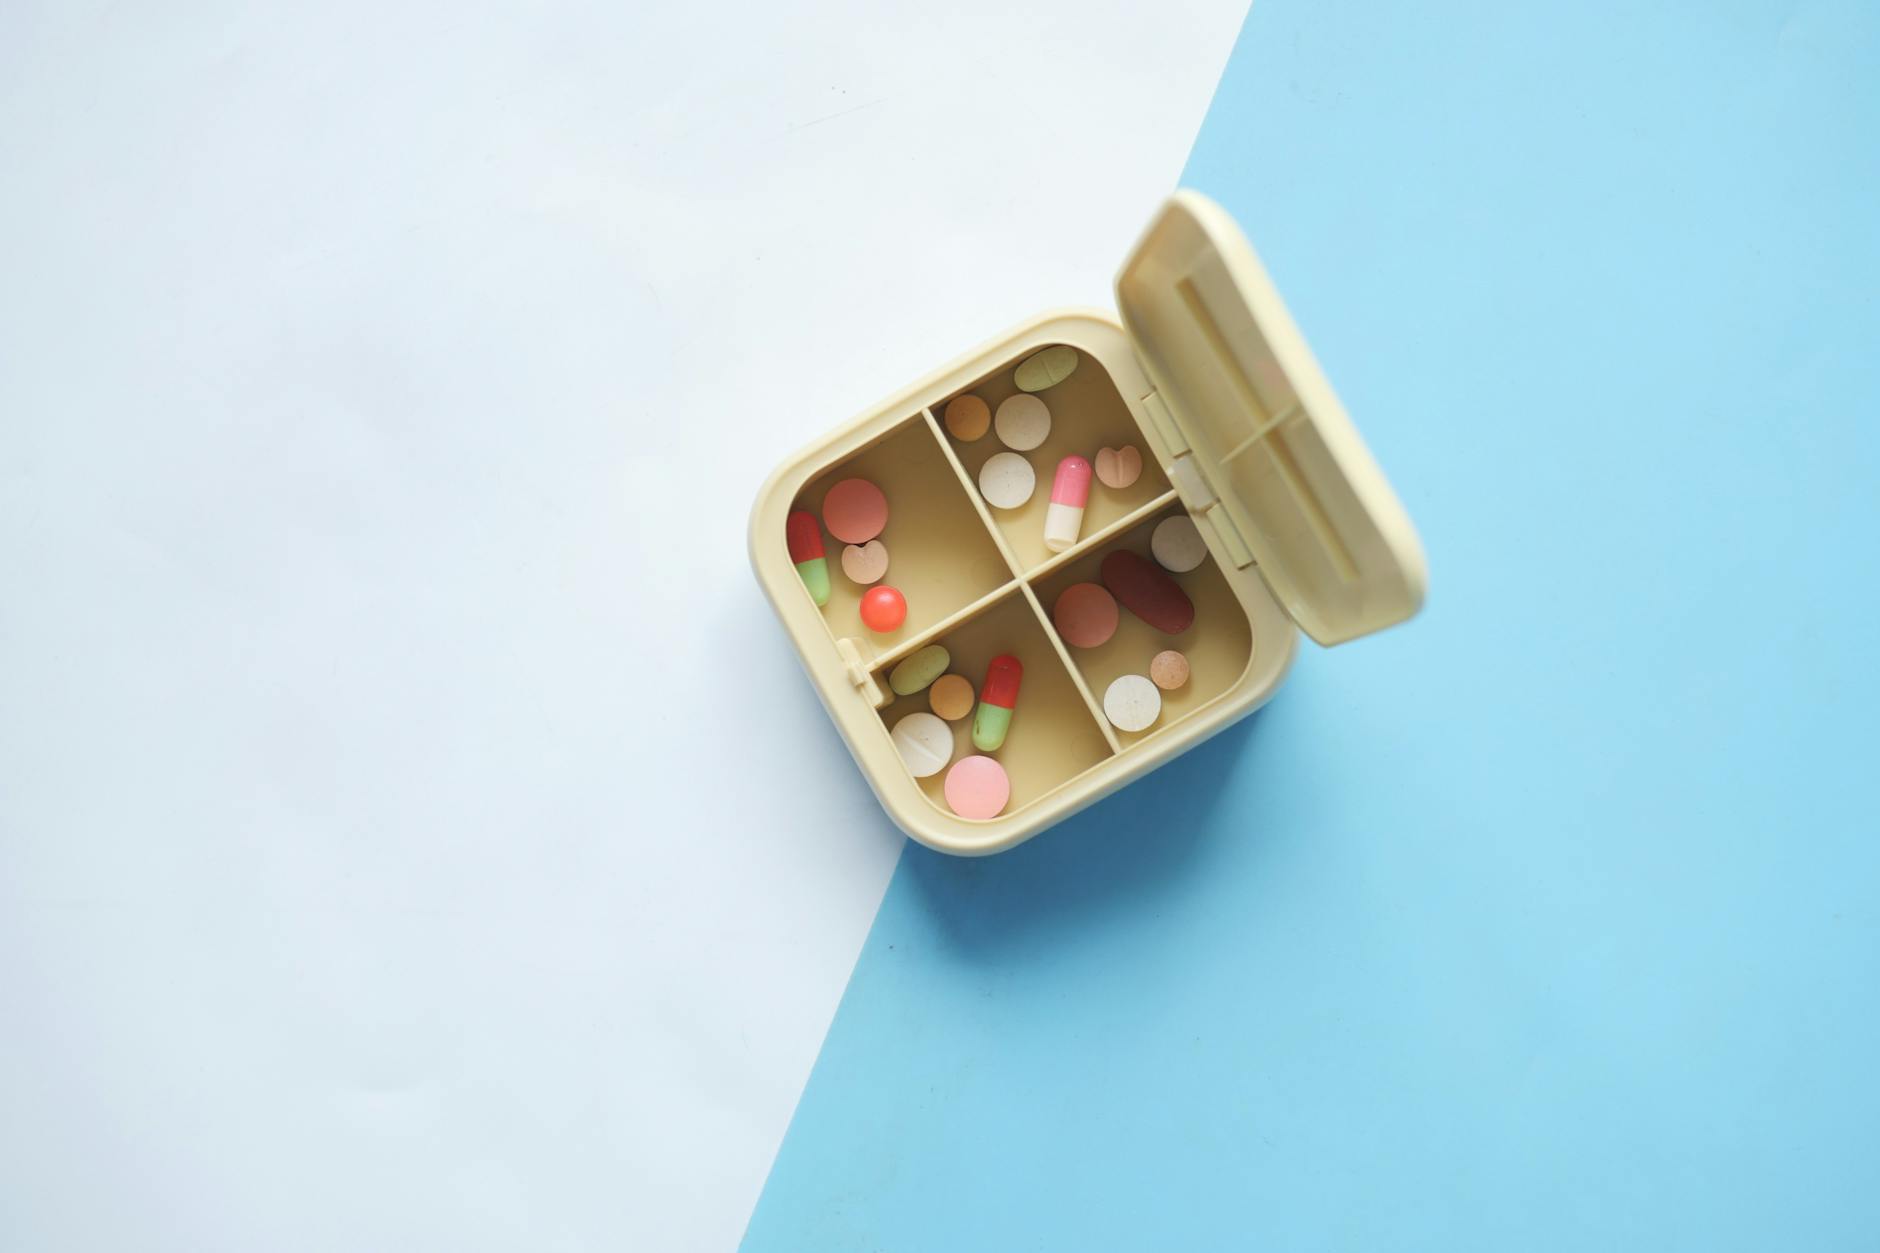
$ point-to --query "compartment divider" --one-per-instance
(947, 624)
(972, 494)
(1077, 675)
(1097, 539)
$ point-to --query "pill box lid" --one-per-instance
(1283, 476)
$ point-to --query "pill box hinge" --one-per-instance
(1164, 423)
(1231, 538)
(1192, 484)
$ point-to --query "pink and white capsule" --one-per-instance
(1070, 489)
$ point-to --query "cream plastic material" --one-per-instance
(1282, 474)
(981, 581)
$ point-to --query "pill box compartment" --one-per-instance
(939, 554)
(1219, 646)
(1054, 736)
(1088, 413)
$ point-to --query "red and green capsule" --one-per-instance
(997, 697)
(804, 535)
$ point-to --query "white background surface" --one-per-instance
(414, 831)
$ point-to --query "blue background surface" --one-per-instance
(1548, 921)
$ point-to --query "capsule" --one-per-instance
(1070, 489)
(804, 535)
(997, 696)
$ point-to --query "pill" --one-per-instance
(1168, 670)
(1022, 422)
(865, 563)
(1132, 703)
(1006, 480)
(1148, 593)
(804, 539)
(855, 511)
(951, 696)
(1177, 544)
(1070, 491)
(918, 670)
(1085, 615)
(997, 697)
(1046, 368)
(977, 787)
(883, 609)
(967, 418)
(1119, 467)
(924, 742)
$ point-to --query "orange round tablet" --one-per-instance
(1168, 670)
(951, 696)
(968, 418)
(1085, 615)
(855, 511)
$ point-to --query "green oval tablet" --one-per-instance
(915, 673)
(1046, 368)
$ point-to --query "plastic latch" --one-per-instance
(859, 675)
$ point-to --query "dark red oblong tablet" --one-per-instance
(1140, 587)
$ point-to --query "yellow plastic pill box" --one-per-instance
(1208, 376)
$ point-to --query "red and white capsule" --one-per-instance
(1070, 490)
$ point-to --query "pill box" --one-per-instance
(1207, 375)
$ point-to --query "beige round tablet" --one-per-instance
(1022, 422)
(1168, 670)
(951, 696)
(925, 744)
(967, 418)
(865, 563)
(1006, 480)
(1119, 467)
(1177, 544)
(1132, 703)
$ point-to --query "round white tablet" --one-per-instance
(1006, 480)
(1022, 422)
(925, 744)
(1177, 544)
(1132, 703)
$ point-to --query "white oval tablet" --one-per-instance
(1006, 480)
(1132, 704)
(1177, 544)
(925, 744)
(1022, 422)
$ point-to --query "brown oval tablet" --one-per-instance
(968, 418)
(1168, 670)
(855, 511)
(951, 696)
(865, 563)
(1085, 615)
(1145, 591)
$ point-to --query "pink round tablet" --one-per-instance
(1085, 615)
(976, 787)
(855, 511)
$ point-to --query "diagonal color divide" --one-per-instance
(1547, 921)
